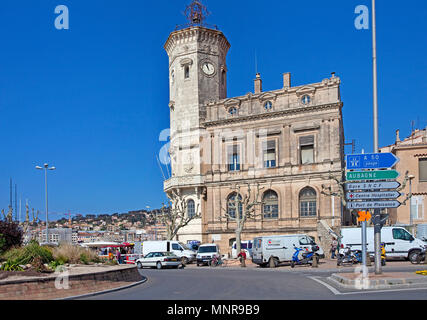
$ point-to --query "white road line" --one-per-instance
(336, 292)
(332, 289)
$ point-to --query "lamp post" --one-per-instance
(46, 168)
(155, 223)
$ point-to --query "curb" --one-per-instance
(105, 291)
(375, 284)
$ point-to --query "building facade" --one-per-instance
(287, 142)
(412, 153)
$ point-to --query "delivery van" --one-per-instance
(176, 247)
(273, 250)
(206, 253)
(399, 243)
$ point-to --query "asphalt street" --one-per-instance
(206, 283)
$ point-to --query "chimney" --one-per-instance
(287, 80)
(397, 136)
(258, 84)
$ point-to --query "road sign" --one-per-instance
(373, 204)
(372, 175)
(364, 216)
(371, 161)
(373, 195)
(372, 185)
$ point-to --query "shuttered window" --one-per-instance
(269, 151)
(233, 156)
(423, 169)
(306, 149)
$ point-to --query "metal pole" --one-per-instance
(365, 269)
(377, 228)
(47, 219)
(410, 204)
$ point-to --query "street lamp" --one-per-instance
(410, 199)
(46, 168)
(155, 223)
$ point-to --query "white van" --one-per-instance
(176, 247)
(206, 252)
(399, 243)
(273, 250)
(246, 245)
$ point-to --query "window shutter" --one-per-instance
(423, 169)
(306, 141)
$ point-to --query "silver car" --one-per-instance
(159, 260)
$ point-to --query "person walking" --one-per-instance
(118, 256)
(334, 246)
(242, 258)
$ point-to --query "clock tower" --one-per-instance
(197, 75)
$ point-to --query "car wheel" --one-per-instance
(139, 265)
(292, 264)
(273, 263)
(413, 257)
(159, 265)
(184, 260)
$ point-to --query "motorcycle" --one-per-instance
(307, 256)
(346, 255)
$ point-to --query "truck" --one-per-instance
(273, 250)
(399, 243)
(176, 247)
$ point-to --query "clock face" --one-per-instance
(208, 68)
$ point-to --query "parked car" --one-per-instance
(159, 260)
(245, 245)
(272, 250)
(176, 247)
(206, 252)
(399, 243)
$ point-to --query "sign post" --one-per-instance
(372, 189)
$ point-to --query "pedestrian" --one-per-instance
(242, 258)
(118, 256)
(334, 246)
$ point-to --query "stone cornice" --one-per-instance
(199, 34)
(311, 88)
(276, 114)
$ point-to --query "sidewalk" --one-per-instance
(387, 280)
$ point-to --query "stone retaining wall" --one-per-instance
(79, 284)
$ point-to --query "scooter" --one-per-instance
(307, 257)
(346, 255)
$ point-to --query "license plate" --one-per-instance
(174, 259)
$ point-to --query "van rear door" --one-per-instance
(257, 250)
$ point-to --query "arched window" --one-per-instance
(270, 205)
(307, 202)
(231, 205)
(191, 208)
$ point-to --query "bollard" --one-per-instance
(315, 263)
(368, 260)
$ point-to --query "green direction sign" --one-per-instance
(372, 175)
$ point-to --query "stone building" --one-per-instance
(412, 153)
(288, 141)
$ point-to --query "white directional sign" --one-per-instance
(372, 186)
(373, 195)
(373, 204)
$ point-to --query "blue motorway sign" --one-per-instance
(371, 161)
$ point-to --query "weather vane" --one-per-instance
(196, 14)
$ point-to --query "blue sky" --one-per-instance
(92, 100)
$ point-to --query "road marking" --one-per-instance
(336, 292)
(332, 289)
